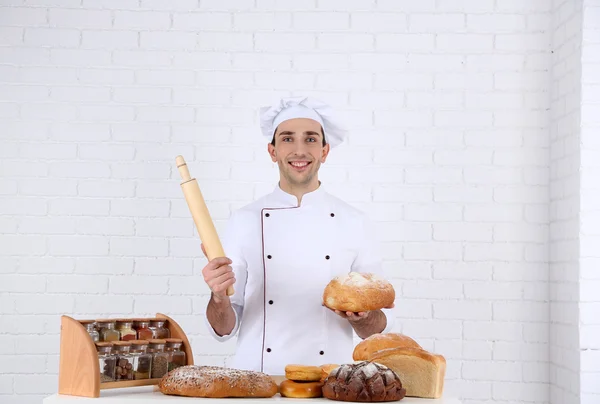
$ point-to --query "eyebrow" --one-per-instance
(289, 132)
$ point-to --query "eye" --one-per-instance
(285, 139)
(312, 139)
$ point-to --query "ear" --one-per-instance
(325, 153)
(271, 150)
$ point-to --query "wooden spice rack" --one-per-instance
(79, 369)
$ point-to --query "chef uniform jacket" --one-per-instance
(283, 255)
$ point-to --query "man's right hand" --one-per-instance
(218, 275)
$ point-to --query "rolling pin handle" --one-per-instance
(183, 168)
(200, 213)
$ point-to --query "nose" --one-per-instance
(299, 149)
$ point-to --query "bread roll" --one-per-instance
(358, 292)
(376, 342)
(303, 373)
(422, 373)
(363, 382)
(326, 369)
(292, 389)
(216, 382)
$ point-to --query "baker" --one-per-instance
(284, 248)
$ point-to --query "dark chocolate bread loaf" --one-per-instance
(363, 382)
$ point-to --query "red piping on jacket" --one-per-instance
(262, 233)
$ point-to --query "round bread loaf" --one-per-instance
(363, 382)
(216, 382)
(358, 292)
(377, 342)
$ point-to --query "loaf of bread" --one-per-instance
(358, 292)
(363, 382)
(376, 342)
(216, 382)
(422, 373)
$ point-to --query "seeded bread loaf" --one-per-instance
(363, 382)
(217, 382)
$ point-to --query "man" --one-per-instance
(284, 248)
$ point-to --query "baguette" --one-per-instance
(422, 373)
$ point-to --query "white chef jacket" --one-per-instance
(283, 255)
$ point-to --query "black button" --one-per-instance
(332, 214)
(321, 353)
(270, 301)
(268, 256)
(268, 349)
(327, 257)
(267, 214)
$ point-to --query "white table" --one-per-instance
(149, 395)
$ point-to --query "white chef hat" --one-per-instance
(302, 107)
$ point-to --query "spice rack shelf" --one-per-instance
(79, 369)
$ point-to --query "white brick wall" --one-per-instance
(589, 275)
(450, 155)
(573, 207)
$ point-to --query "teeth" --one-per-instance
(299, 164)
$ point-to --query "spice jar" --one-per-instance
(90, 327)
(142, 327)
(107, 362)
(126, 330)
(107, 330)
(159, 331)
(160, 358)
(176, 355)
(124, 368)
(142, 361)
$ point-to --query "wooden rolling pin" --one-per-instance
(204, 224)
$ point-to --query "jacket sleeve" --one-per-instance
(369, 260)
(233, 248)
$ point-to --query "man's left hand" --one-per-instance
(352, 316)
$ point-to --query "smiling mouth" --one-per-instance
(299, 165)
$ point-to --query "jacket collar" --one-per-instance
(282, 198)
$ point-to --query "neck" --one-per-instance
(299, 190)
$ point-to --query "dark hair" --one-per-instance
(322, 133)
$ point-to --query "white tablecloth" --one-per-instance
(147, 394)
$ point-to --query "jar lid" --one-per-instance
(157, 341)
(158, 320)
(87, 321)
(122, 343)
(174, 340)
(139, 342)
(124, 320)
(104, 344)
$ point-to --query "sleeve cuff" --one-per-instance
(211, 330)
